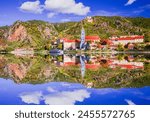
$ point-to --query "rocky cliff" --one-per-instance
(26, 69)
(30, 34)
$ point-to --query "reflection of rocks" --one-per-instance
(19, 71)
(126, 77)
(134, 78)
(23, 52)
(26, 69)
(47, 73)
(103, 78)
(2, 66)
(2, 63)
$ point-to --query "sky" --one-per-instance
(69, 10)
(70, 94)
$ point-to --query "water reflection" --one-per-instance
(75, 79)
(95, 62)
(63, 93)
(103, 68)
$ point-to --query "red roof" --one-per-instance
(92, 38)
(70, 41)
(92, 66)
(128, 66)
(100, 46)
(109, 42)
(69, 63)
(130, 38)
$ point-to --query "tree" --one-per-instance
(120, 47)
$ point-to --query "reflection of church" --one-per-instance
(95, 62)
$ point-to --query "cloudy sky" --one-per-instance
(69, 10)
(63, 93)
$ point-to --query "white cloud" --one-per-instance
(66, 97)
(31, 97)
(32, 7)
(50, 89)
(130, 2)
(65, 20)
(65, 84)
(55, 97)
(138, 11)
(107, 13)
(106, 91)
(130, 102)
(146, 6)
(50, 15)
(67, 7)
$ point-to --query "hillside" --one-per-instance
(106, 27)
(31, 34)
(35, 69)
(39, 34)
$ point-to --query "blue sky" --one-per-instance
(70, 94)
(69, 10)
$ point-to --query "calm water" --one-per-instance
(95, 79)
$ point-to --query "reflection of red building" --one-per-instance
(92, 66)
(97, 62)
(124, 64)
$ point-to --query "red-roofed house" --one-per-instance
(70, 44)
(92, 38)
(124, 40)
(94, 41)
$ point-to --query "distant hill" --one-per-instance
(106, 27)
(39, 34)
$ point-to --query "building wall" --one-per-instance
(89, 19)
(124, 42)
(69, 45)
(93, 44)
(124, 64)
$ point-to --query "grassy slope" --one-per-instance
(106, 27)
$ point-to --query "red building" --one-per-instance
(93, 41)
(92, 38)
(124, 40)
(68, 44)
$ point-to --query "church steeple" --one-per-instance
(82, 38)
